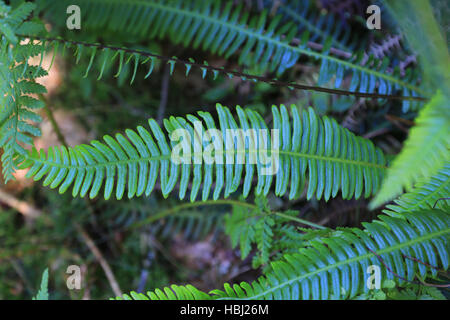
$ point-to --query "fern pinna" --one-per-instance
(335, 159)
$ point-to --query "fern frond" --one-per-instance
(321, 27)
(425, 152)
(104, 56)
(173, 293)
(335, 158)
(192, 225)
(219, 27)
(16, 85)
(335, 267)
(192, 221)
(425, 195)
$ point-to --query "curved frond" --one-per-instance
(335, 266)
(200, 154)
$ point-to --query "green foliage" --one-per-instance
(321, 27)
(43, 291)
(427, 149)
(425, 195)
(222, 28)
(335, 158)
(311, 156)
(409, 291)
(173, 293)
(334, 267)
(425, 152)
(16, 84)
(130, 59)
(258, 226)
(419, 24)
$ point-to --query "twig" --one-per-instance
(87, 239)
(53, 122)
(21, 206)
(376, 133)
(99, 256)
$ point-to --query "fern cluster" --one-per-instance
(334, 267)
(220, 27)
(310, 156)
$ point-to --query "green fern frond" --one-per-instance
(173, 293)
(105, 56)
(16, 84)
(335, 267)
(426, 151)
(335, 158)
(264, 229)
(192, 221)
(221, 28)
(321, 27)
(425, 195)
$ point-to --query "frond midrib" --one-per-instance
(194, 154)
(357, 258)
(248, 31)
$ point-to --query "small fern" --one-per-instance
(259, 226)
